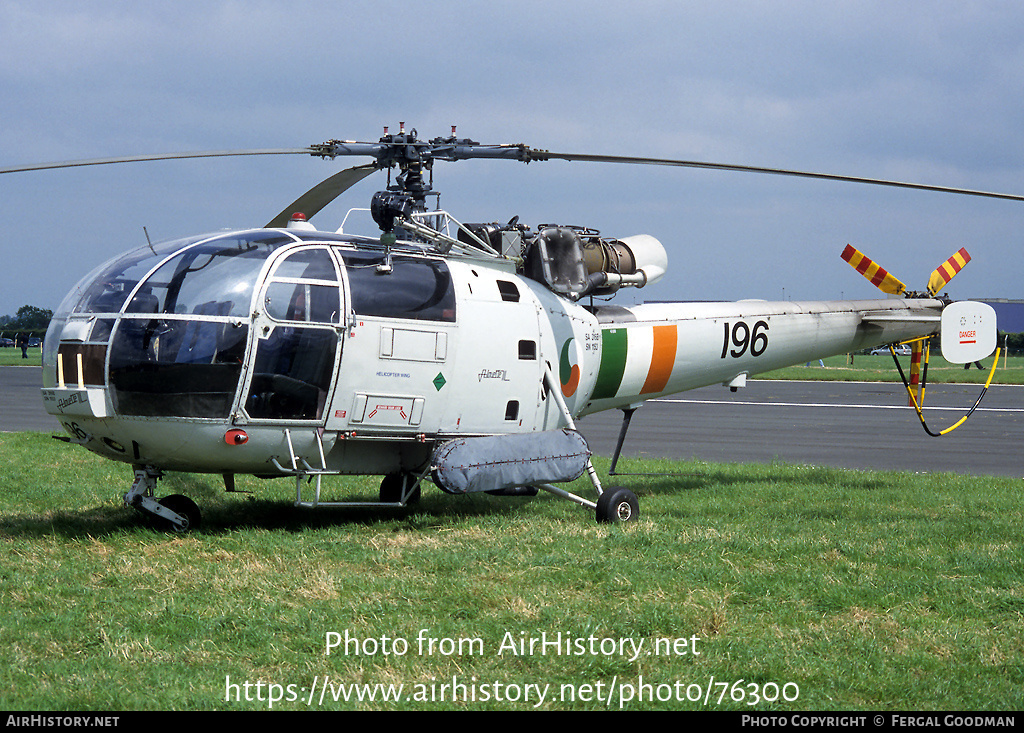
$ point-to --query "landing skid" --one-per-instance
(397, 490)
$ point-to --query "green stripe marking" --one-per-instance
(613, 363)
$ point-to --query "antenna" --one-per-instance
(148, 240)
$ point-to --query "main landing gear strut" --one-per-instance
(614, 504)
(176, 512)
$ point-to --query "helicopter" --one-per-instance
(456, 353)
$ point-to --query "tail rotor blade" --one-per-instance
(947, 270)
(878, 276)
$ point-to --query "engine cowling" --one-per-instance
(575, 263)
(649, 256)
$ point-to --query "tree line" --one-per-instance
(1012, 342)
(29, 318)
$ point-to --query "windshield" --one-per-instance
(221, 269)
(215, 278)
(169, 322)
(106, 289)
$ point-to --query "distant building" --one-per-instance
(1009, 313)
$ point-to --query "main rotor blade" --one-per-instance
(545, 155)
(156, 156)
(322, 194)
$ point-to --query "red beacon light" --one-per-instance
(298, 221)
(236, 437)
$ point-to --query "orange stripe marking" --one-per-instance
(663, 358)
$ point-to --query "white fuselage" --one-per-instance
(320, 349)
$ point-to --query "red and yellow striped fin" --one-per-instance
(945, 272)
(878, 276)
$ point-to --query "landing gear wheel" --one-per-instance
(392, 487)
(618, 504)
(183, 506)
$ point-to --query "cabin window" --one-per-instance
(509, 291)
(305, 287)
(176, 367)
(419, 289)
(90, 357)
(107, 289)
(292, 374)
(307, 264)
(306, 302)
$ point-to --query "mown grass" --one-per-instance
(866, 590)
(11, 356)
(1010, 370)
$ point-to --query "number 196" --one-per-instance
(741, 337)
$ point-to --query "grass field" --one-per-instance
(1010, 370)
(817, 589)
(10, 356)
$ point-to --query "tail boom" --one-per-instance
(658, 349)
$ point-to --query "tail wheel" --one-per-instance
(618, 504)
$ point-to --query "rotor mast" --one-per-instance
(414, 159)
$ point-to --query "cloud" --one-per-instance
(915, 91)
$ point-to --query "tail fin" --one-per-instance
(879, 277)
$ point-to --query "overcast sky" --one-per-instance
(919, 91)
